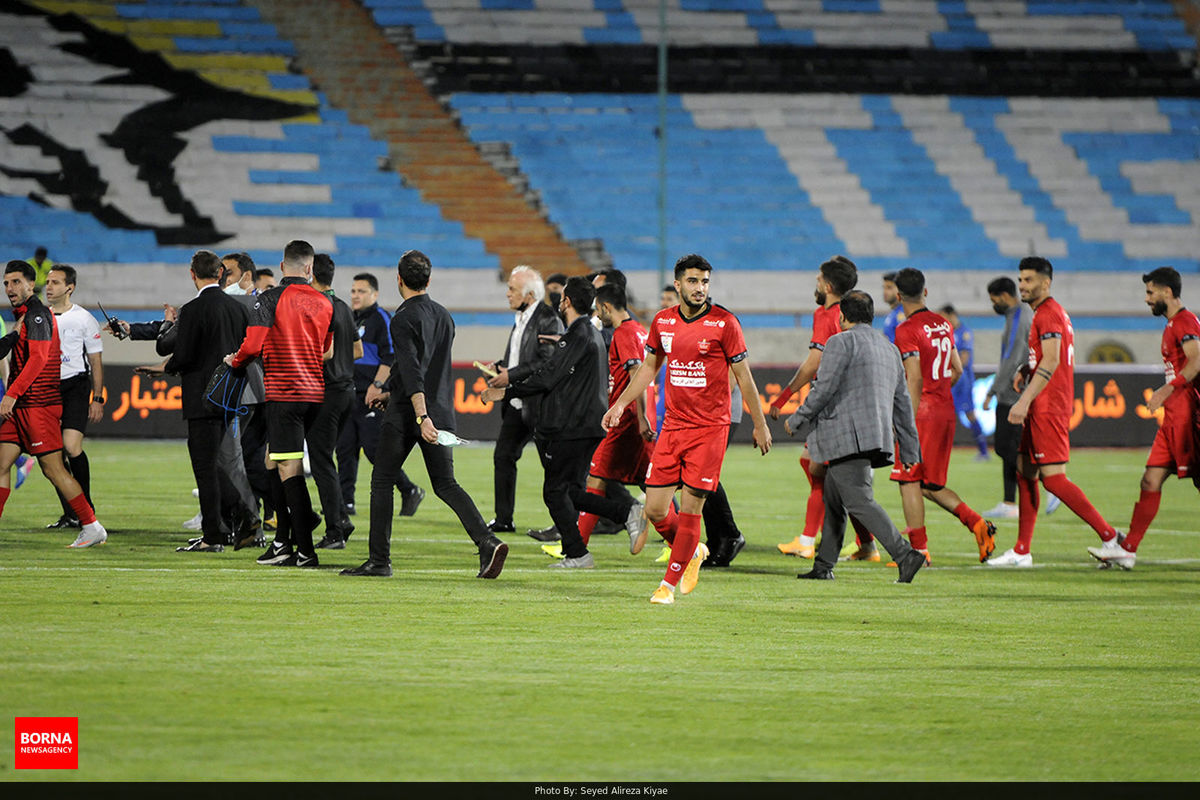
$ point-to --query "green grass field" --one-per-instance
(208, 667)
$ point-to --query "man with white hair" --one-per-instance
(529, 346)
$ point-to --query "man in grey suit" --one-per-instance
(851, 419)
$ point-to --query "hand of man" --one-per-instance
(492, 395)
(988, 399)
(612, 417)
(1019, 411)
(550, 337)
(501, 379)
(95, 411)
(1159, 397)
(787, 428)
(762, 439)
(170, 313)
(373, 395)
(6, 406)
(229, 359)
(774, 412)
(428, 432)
(150, 370)
(644, 428)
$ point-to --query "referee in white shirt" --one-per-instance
(82, 379)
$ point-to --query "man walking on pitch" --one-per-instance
(32, 405)
(1175, 447)
(419, 404)
(1045, 409)
(1014, 353)
(699, 342)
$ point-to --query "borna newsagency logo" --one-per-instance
(46, 742)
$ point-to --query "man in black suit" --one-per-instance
(528, 349)
(209, 326)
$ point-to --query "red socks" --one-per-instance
(667, 526)
(967, 516)
(918, 539)
(4, 493)
(814, 512)
(687, 537)
(1028, 499)
(1144, 511)
(1077, 501)
(587, 522)
(83, 509)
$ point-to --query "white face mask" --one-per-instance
(233, 288)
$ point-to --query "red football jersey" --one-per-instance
(1052, 327)
(825, 324)
(627, 350)
(698, 353)
(1183, 327)
(36, 386)
(930, 337)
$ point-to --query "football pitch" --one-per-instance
(195, 667)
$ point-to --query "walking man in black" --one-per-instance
(420, 404)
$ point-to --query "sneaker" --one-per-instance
(1110, 553)
(307, 561)
(410, 501)
(331, 543)
(544, 534)
(500, 526)
(663, 596)
(910, 565)
(691, 573)
(92, 534)
(64, 522)
(276, 553)
(369, 569)
(491, 557)
(868, 552)
(1052, 503)
(584, 561)
(200, 546)
(288, 561)
(1003, 511)
(794, 548)
(194, 523)
(985, 539)
(269, 524)
(664, 556)
(635, 523)
(1011, 558)
(553, 550)
(722, 552)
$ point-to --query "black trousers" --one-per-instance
(254, 454)
(718, 516)
(322, 438)
(565, 462)
(361, 431)
(204, 442)
(510, 443)
(397, 438)
(1007, 442)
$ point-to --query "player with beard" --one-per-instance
(1175, 447)
(700, 343)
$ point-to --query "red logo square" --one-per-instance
(46, 742)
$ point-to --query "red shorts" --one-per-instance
(936, 434)
(37, 430)
(1046, 439)
(1174, 447)
(691, 456)
(623, 456)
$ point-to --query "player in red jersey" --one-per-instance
(700, 343)
(1175, 447)
(623, 456)
(931, 366)
(1045, 408)
(835, 277)
(32, 404)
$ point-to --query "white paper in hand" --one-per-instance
(448, 439)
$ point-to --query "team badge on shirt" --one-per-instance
(666, 340)
(702, 346)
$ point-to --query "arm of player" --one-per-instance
(637, 386)
(39, 354)
(803, 375)
(1191, 349)
(745, 380)
(913, 380)
(1037, 382)
(96, 409)
(956, 366)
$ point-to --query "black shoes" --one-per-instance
(544, 534)
(369, 569)
(491, 557)
(276, 555)
(199, 546)
(246, 532)
(817, 574)
(496, 526)
(723, 551)
(65, 521)
(410, 501)
(330, 542)
(336, 536)
(306, 561)
(909, 566)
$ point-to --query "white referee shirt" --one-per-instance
(78, 336)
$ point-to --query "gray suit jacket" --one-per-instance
(859, 403)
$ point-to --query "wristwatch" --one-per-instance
(98, 399)
(421, 418)
(377, 384)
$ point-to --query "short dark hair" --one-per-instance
(613, 294)
(691, 261)
(857, 306)
(206, 265)
(297, 251)
(1002, 285)
(1038, 265)
(414, 269)
(948, 309)
(23, 267)
(670, 287)
(910, 283)
(1165, 276)
(264, 273)
(841, 274)
(244, 261)
(613, 275)
(39, 253)
(557, 277)
(370, 279)
(323, 267)
(580, 293)
(889, 277)
(70, 275)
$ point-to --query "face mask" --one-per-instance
(233, 288)
(554, 299)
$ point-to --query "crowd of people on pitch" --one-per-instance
(280, 379)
